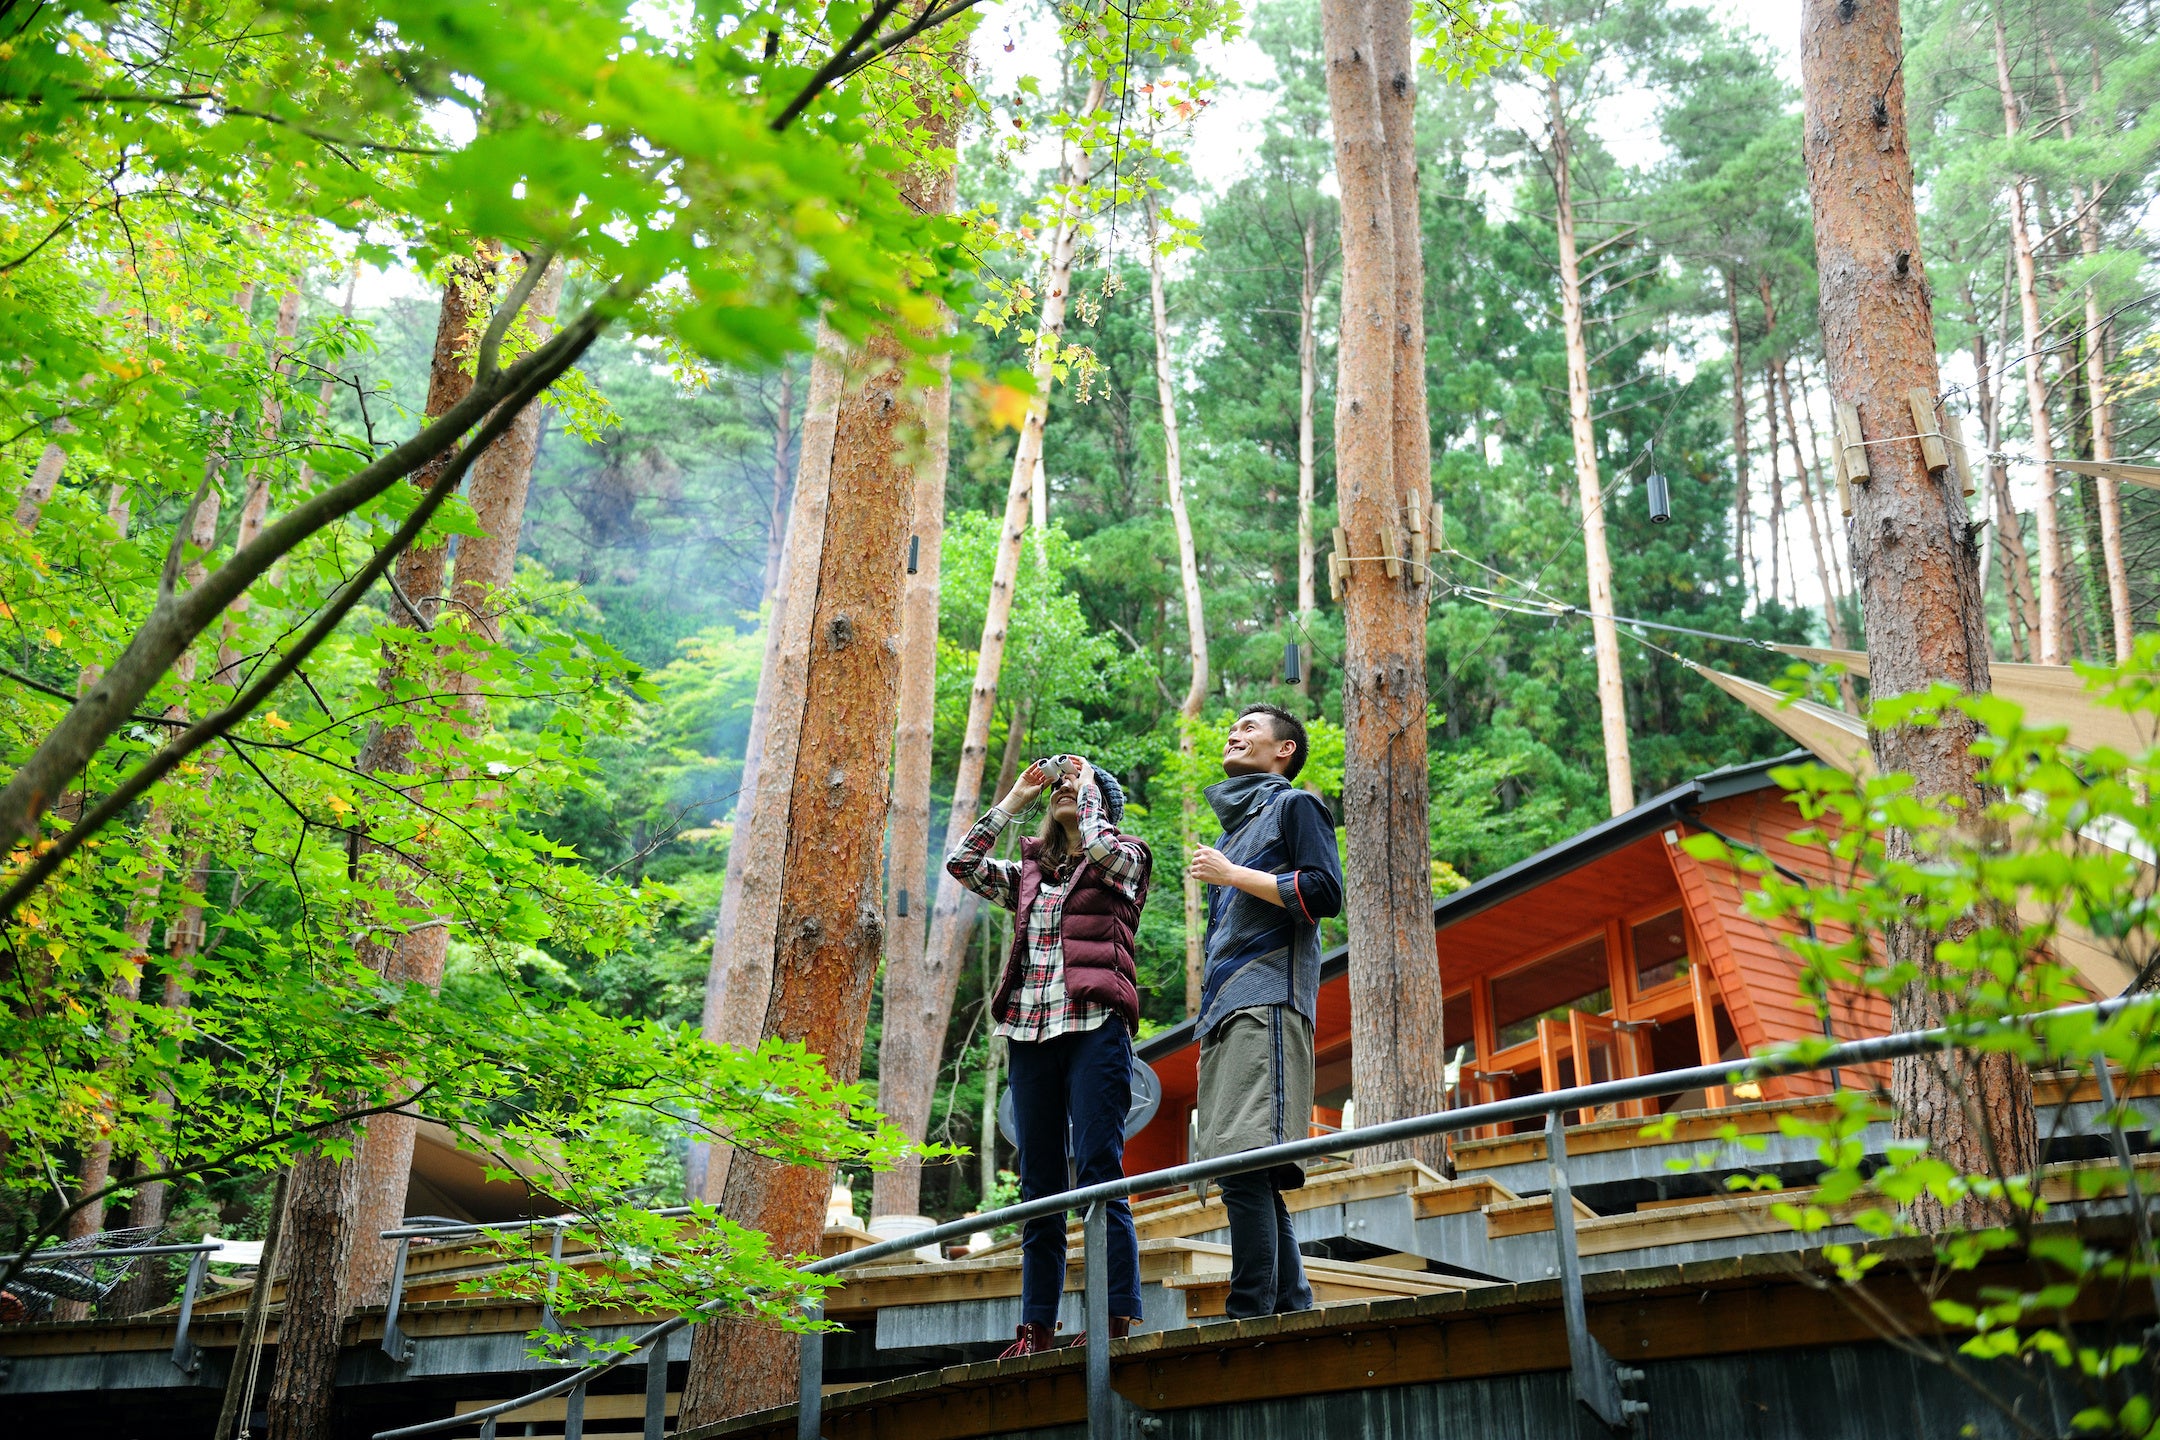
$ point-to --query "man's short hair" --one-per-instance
(1282, 725)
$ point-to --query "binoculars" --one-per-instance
(1057, 767)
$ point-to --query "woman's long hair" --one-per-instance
(1053, 849)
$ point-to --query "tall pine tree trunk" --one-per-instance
(322, 1207)
(2107, 492)
(829, 921)
(479, 585)
(776, 510)
(1396, 1040)
(1195, 613)
(909, 1048)
(1743, 523)
(741, 972)
(1308, 383)
(954, 912)
(1604, 634)
(1919, 581)
(1777, 491)
(2053, 645)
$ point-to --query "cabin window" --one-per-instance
(1660, 945)
(1574, 979)
(1457, 1026)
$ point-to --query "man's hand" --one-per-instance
(1026, 790)
(1211, 867)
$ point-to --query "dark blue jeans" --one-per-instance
(1081, 1082)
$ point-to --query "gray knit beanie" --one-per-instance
(1113, 795)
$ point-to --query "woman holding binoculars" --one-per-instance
(1067, 1004)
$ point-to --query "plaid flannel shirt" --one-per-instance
(1040, 1007)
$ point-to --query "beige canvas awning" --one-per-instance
(2050, 695)
(1840, 740)
(1837, 739)
(2114, 470)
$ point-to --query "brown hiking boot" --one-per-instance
(1032, 1340)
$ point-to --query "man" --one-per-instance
(1272, 877)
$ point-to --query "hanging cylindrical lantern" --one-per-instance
(1292, 666)
(1660, 499)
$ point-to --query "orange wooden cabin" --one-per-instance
(1613, 953)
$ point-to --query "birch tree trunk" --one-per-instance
(1833, 529)
(2107, 492)
(2053, 624)
(909, 1049)
(829, 923)
(954, 912)
(1833, 620)
(1605, 636)
(2020, 607)
(37, 492)
(740, 977)
(1308, 383)
(776, 511)
(1397, 1044)
(1195, 613)
(1919, 582)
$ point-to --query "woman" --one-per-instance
(1067, 1005)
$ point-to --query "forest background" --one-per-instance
(658, 497)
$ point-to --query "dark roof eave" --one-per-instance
(1570, 854)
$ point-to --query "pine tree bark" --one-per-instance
(1195, 612)
(1919, 580)
(1308, 383)
(954, 913)
(2053, 622)
(1396, 1039)
(2107, 492)
(829, 923)
(318, 1242)
(909, 1048)
(1604, 634)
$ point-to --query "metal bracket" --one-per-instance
(184, 1351)
(395, 1342)
(1110, 1415)
(1599, 1380)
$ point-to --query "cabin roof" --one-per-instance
(1570, 854)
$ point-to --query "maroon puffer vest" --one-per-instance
(1096, 934)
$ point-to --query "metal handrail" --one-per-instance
(185, 1352)
(121, 1252)
(1091, 1198)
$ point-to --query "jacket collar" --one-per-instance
(1240, 797)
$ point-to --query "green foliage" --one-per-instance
(2059, 858)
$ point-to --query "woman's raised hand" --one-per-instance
(1026, 790)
